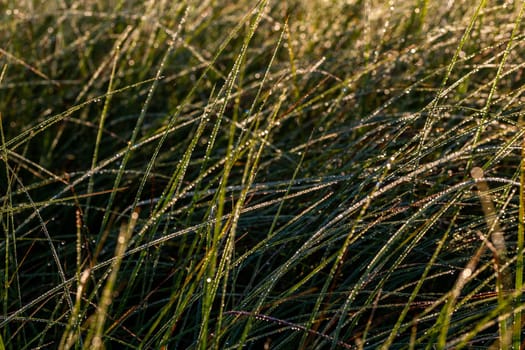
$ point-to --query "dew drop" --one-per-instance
(467, 273)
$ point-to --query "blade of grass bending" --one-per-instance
(417, 288)
(153, 158)
(204, 171)
(102, 165)
(72, 333)
(249, 174)
(54, 252)
(409, 244)
(94, 337)
(27, 135)
(251, 110)
(212, 274)
(178, 173)
(216, 126)
(57, 201)
(448, 309)
(386, 252)
(503, 281)
(431, 116)
(160, 208)
(26, 65)
(293, 326)
(488, 103)
(469, 272)
(109, 95)
(171, 193)
(264, 289)
(344, 250)
(133, 138)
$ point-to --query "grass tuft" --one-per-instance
(295, 174)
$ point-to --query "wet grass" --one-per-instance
(276, 175)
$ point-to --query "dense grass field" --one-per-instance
(263, 175)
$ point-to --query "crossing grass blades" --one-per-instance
(273, 174)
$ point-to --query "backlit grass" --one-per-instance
(276, 175)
